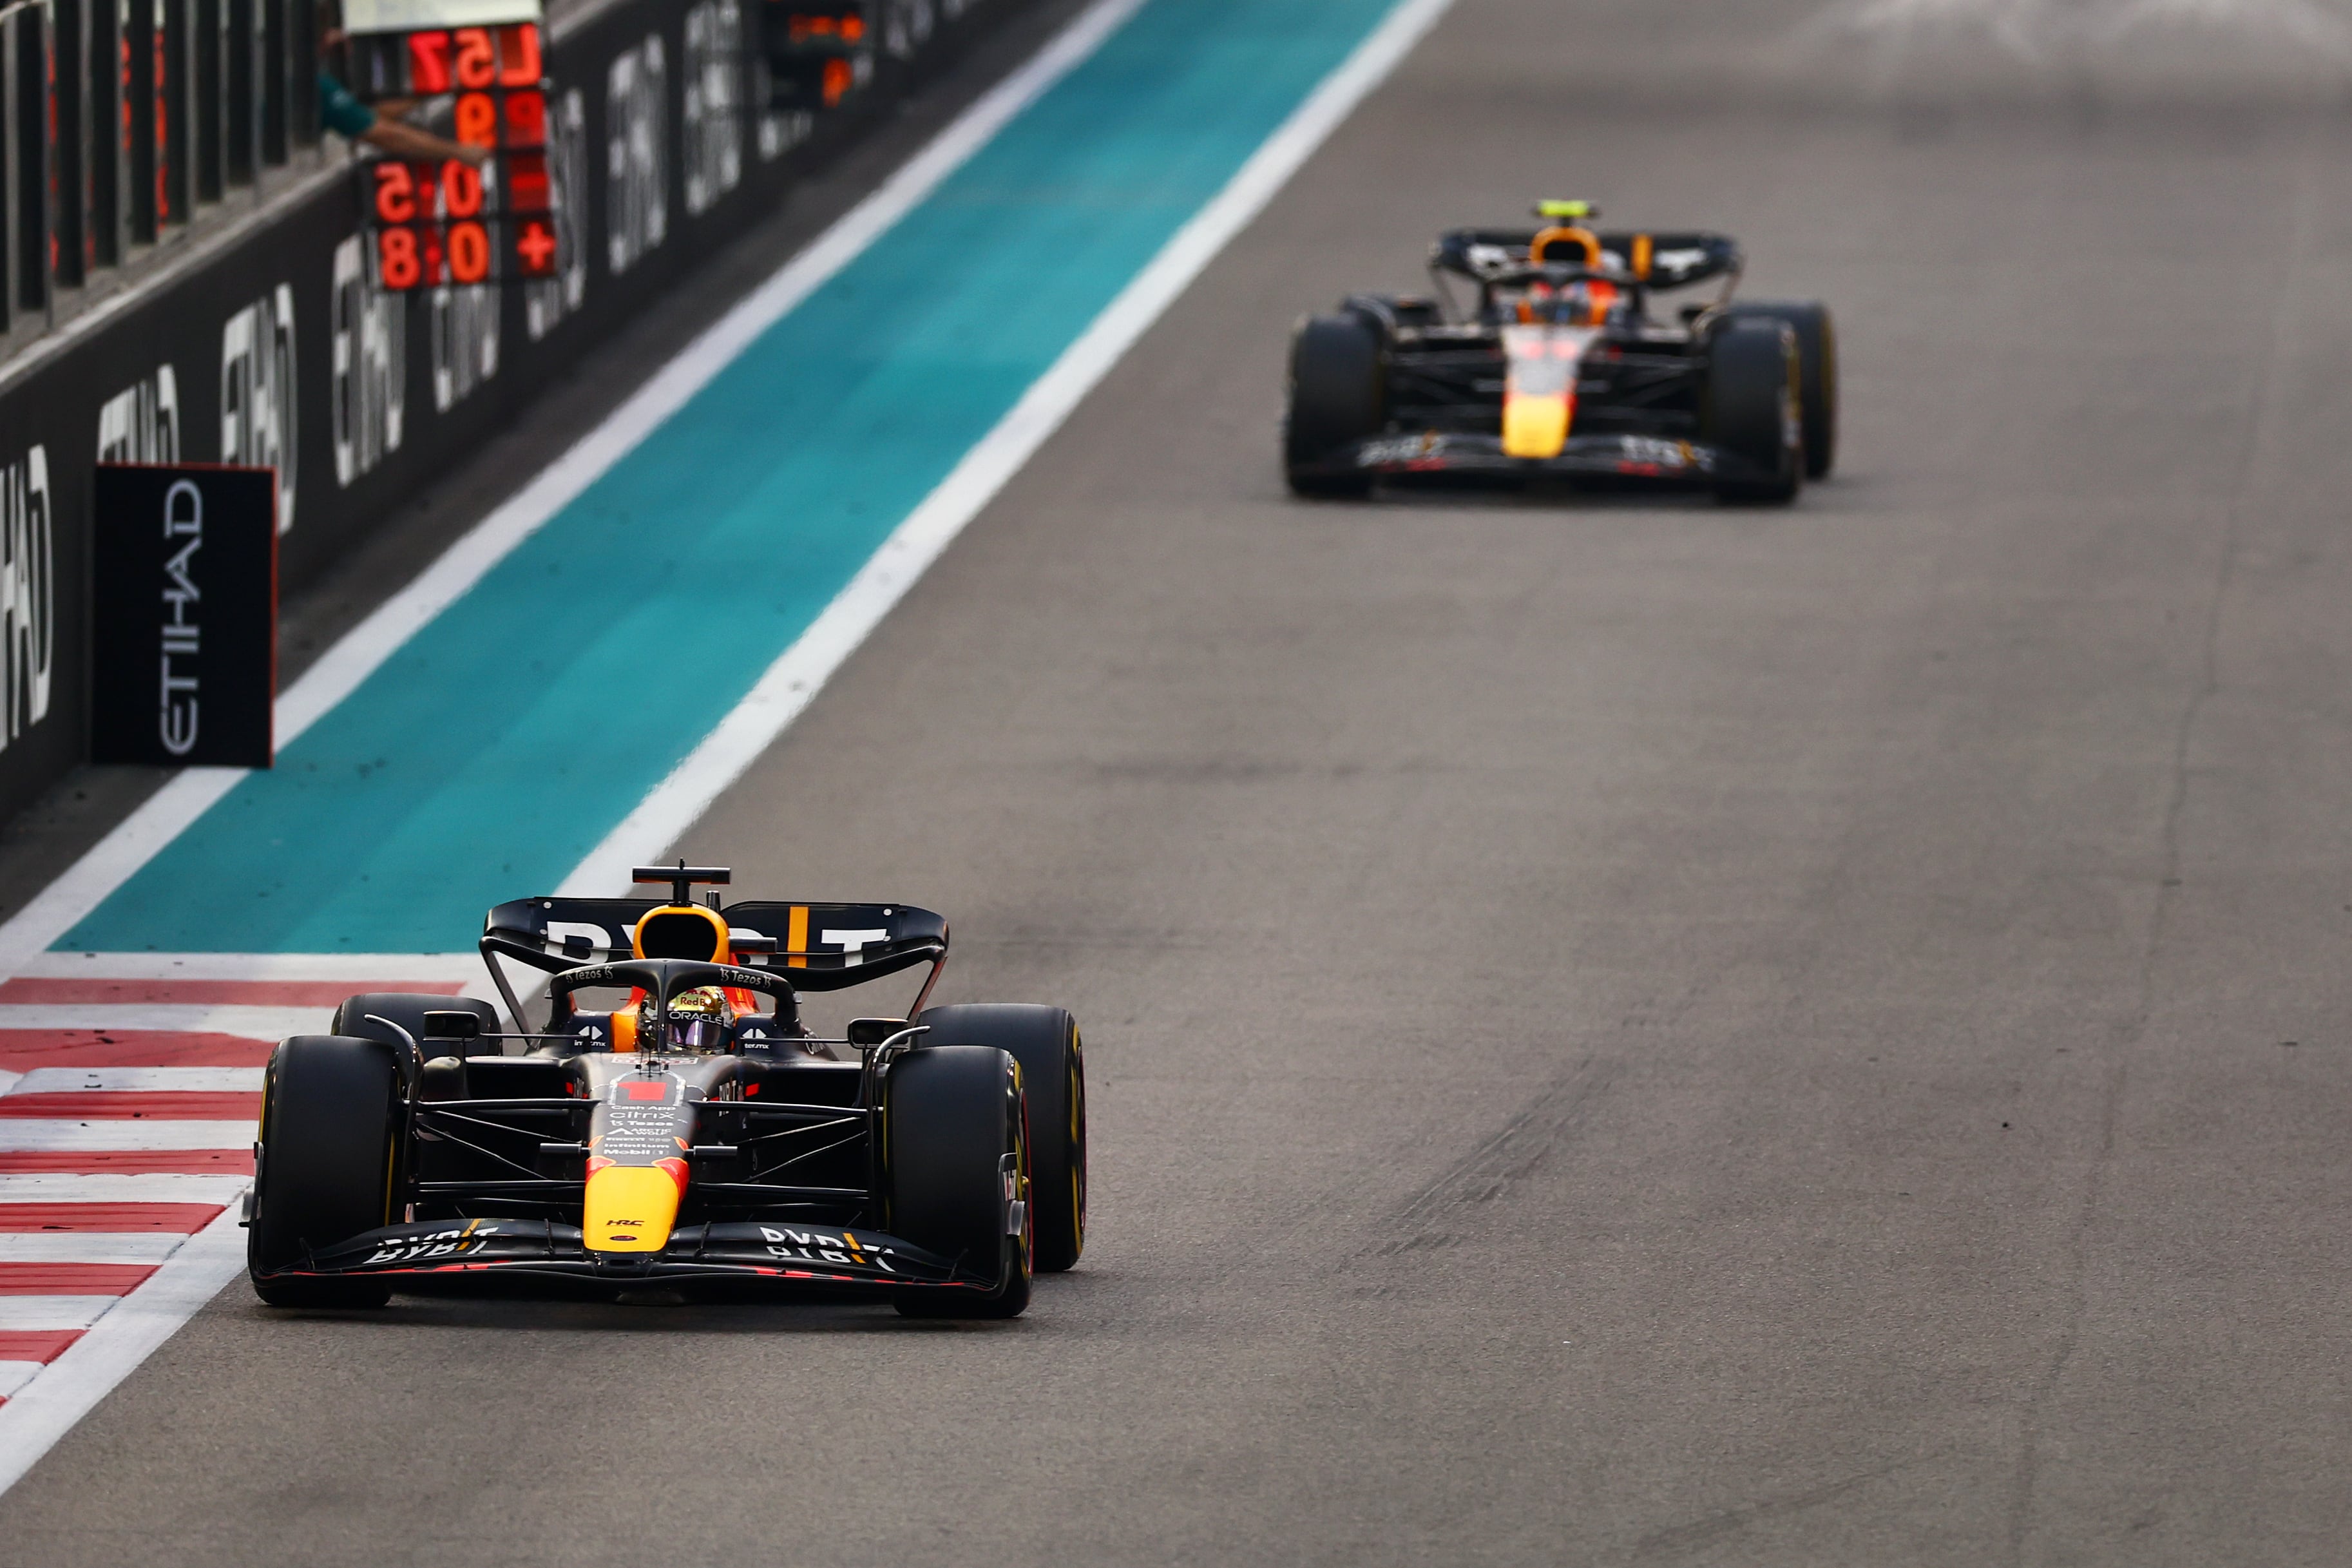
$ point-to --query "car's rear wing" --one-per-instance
(1676, 260)
(818, 947)
(828, 947)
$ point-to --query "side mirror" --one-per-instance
(453, 1025)
(871, 1032)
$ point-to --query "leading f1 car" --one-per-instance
(1556, 369)
(673, 1125)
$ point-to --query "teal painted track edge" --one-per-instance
(482, 760)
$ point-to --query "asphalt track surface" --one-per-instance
(1618, 1032)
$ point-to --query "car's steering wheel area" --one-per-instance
(664, 979)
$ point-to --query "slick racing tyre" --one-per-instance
(1335, 401)
(1817, 373)
(330, 1139)
(1044, 1041)
(954, 1115)
(1750, 410)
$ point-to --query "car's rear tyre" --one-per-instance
(952, 1115)
(1817, 373)
(330, 1139)
(1044, 1041)
(1750, 409)
(1336, 400)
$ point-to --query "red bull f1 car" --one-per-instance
(672, 1127)
(1558, 369)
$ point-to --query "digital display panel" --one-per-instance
(440, 223)
(818, 52)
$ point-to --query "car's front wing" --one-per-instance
(1605, 456)
(792, 1258)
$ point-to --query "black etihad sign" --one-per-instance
(184, 615)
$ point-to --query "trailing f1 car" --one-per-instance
(1558, 369)
(686, 1132)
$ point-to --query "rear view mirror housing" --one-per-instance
(453, 1024)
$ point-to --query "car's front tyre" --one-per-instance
(955, 1134)
(1750, 411)
(1044, 1041)
(1336, 400)
(330, 1130)
(1817, 373)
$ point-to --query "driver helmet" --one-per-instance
(697, 1019)
(1581, 304)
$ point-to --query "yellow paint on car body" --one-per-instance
(1539, 386)
(631, 1208)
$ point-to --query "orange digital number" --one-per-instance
(838, 79)
(477, 58)
(461, 189)
(476, 120)
(469, 252)
(395, 192)
(526, 119)
(396, 266)
(428, 63)
(849, 29)
(518, 64)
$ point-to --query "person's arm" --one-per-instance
(347, 117)
(405, 140)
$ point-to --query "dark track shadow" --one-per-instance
(519, 1311)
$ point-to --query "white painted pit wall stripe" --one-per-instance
(795, 679)
(47, 1407)
(54, 1136)
(340, 670)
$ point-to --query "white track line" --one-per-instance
(132, 1187)
(272, 1023)
(20, 1313)
(134, 1080)
(16, 1374)
(88, 1246)
(54, 1136)
(340, 669)
(116, 858)
(87, 1373)
(796, 678)
(373, 970)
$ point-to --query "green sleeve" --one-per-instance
(340, 112)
